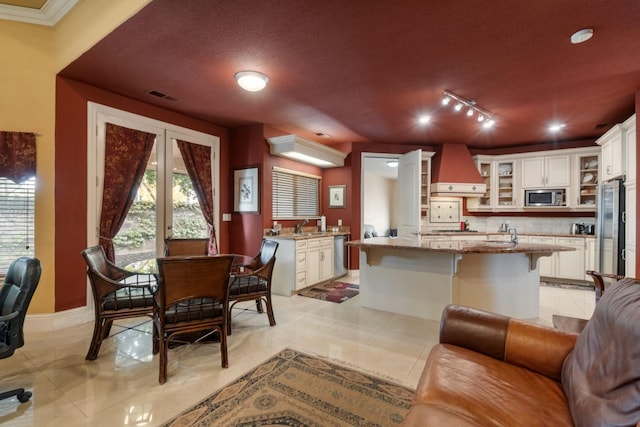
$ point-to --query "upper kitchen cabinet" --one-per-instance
(499, 175)
(425, 182)
(586, 166)
(612, 144)
(546, 172)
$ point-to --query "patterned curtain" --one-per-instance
(17, 155)
(197, 159)
(126, 154)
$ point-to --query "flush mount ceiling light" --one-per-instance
(484, 116)
(556, 127)
(581, 36)
(424, 119)
(304, 150)
(251, 81)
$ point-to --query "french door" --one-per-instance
(166, 204)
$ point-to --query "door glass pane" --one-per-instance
(187, 219)
(136, 240)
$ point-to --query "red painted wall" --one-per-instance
(71, 178)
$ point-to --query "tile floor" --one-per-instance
(121, 387)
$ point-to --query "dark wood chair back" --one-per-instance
(255, 283)
(117, 294)
(184, 247)
(193, 296)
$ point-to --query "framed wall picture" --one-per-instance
(246, 190)
(337, 196)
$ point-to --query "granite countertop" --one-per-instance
(309, 235)
(487, 233)
(457, 246)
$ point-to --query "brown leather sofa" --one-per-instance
(492, 370)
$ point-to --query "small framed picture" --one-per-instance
(337, 196)
(246, 195)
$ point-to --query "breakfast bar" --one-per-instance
(419, 279)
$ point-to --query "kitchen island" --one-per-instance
(419, 279)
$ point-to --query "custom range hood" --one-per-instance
(454, 173)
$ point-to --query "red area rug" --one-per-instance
(333, 291)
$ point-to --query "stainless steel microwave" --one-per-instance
(544, 197)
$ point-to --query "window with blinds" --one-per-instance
(16, 220)
(295, 194)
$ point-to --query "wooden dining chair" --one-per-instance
(183, 247)
(574, 324)
(192, 296)
(255, 283)
(117, 294)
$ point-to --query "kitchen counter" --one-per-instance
(309, 235)
(419, 278)
(500, 233)
(458, 246)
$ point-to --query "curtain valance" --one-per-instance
(17, 155)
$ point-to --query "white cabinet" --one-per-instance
(612, 145)
(301, 263)
(319, 260)
(564, 265)
(585, 188)
(547, 265)
(570, 264)
(499, 177)
(629, 136)
(425, 182)
(550, 171)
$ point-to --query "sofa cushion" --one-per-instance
(601, 376)
(469, 388)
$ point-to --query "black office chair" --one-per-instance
(15, 295)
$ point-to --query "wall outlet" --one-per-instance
(226, 217)
(339, 223)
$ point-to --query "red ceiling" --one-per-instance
(362, 70)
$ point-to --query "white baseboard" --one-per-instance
(54, 321)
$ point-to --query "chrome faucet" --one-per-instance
(299, 226)
(514, 235)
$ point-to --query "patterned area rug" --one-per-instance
(332, 291)
(295, 389)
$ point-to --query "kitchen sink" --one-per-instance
(499, 243)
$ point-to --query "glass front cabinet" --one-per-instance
(499, 177)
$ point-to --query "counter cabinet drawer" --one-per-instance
(301, 260)
(313, 243)
(301, 244)
(301, 279)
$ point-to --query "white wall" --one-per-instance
(379, 205)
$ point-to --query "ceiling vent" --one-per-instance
(159, 94)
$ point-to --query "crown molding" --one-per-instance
(49, 15)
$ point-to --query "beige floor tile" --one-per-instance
(120, 388)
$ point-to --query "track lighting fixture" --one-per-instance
(484, 116)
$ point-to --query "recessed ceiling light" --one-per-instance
(556, 127)
(581, 36)
(252, 81)
(424, 119)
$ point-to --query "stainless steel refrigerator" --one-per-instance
(610, 227)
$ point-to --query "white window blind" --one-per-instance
(16, 220)
(295, 195)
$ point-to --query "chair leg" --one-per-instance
(106, 328)
(259, 305)
(19, 393)
(96, 340)
(223, 346)
(164, 350)
(272, 318)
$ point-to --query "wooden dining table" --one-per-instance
(150, 265)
